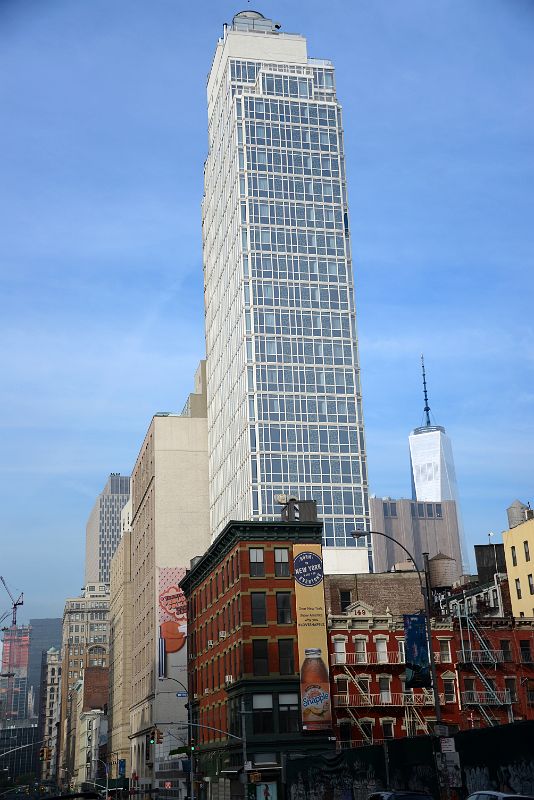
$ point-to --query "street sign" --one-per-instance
(447, 745)
(181, 694)
(441, 730)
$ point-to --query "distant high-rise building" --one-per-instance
(432, 468)
(44, 634)
(14, 686)
(283, 376)
(104, 528)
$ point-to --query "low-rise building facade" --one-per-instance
(371, 701)
(244, 672)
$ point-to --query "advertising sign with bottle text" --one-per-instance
(315, 699)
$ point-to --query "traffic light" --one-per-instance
(152, 738)
(42, 754)
(159, 736)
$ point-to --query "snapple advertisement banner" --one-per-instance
(315, 700)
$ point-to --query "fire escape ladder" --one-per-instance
(413, 720)
(488, 716)
(475, 630)
(489, 687)
(358, 687)
(365, 736)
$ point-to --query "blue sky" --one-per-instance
(103, 138)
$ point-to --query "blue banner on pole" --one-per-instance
(416, 652)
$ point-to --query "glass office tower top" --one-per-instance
(284, 400)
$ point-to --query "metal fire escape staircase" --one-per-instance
(413, 720)
(486, 658)
(354, 716)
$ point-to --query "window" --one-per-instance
(402, 657)
(345, 729)
(262, 713)
(367, 728)
(281, 562)
(385, 692)
(439, 512)
(393, 509)
(527, 551)
(469, 688)
(444, 651)
(259, 608)
(288, 713)
(260, 656)
(257, 567)
(283, 608)
(342, 686)
(449, 690)
(511, 686)
(505, 646)
(514, 557)
(518, 588)
(429, 510)
(531, 584)
(344, 599)
(360, 649)
(286, 660)
(381, 651)
(386, 509)
(363, 685)
(339, 651)
(388, 730)
(526, 656)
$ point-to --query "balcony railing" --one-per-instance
(496, 698)
(350, 744)
(480, 656)
(400, 699)
(391, 657)
(353, 659)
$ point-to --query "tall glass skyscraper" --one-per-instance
(284, 399)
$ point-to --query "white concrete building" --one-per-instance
(284, 398)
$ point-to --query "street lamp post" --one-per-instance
(424, 591)
(190, 737)
(107, 774)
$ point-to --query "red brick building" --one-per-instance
(495, 666)
(243, 661)
(367, 669)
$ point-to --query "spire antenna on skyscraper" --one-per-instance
(427, 407)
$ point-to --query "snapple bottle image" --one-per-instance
(315, 691)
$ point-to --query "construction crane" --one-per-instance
(14, 603)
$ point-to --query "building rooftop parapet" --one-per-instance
(236, 531)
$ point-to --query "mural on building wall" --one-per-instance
(172, 618)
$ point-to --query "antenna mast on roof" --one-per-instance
(427, 407)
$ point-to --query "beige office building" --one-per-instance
(427, 527)
(170, 525)
(519, 555)
(120, 652)
(85, 643)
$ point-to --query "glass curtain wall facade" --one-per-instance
(284, 398)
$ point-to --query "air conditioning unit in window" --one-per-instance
(195, 696)
(206, 691)
(222, 634)
(228, 679)
(210, 643)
